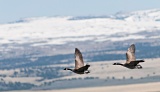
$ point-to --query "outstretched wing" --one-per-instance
(78, 59)
(130, 55)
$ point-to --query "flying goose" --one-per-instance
(79, 64)
(131, 61)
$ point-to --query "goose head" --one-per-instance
(65, 69)
(88, 65)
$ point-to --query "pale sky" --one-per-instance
(12, 10)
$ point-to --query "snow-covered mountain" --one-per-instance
(61, 30)
(145, 15)
(45, 31)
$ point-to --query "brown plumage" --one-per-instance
(131, 61)
(79, 64)
(78, 59)
(130, 54)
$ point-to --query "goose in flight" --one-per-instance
(79, 64)
(131, 61)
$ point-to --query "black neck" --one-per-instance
(118, 64)
(69, 69)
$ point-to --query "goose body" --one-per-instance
(79, 64)
(131, 61)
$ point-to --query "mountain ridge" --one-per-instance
(59, 35)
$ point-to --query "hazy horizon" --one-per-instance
(17, 9)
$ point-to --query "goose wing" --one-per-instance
(130, 55)
(78, 59)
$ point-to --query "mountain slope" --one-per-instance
(60, 30)
(32, 37)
